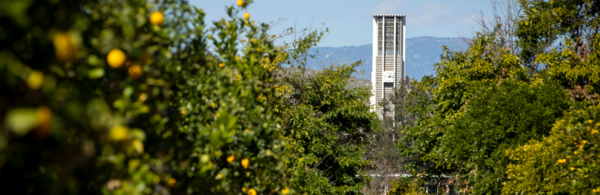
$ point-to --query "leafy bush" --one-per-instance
(326, 127)
(124, 97)
(141, 97)
(565, 161)
(494, 119)
(406, 185)
(496, 116)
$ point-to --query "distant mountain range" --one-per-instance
(421, 54)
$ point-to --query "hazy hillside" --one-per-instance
(421, 54)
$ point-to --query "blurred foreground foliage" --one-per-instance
(142, 97)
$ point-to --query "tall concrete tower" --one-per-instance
(388, 58)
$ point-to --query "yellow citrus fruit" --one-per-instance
(251, 192)
(245, 163)
(138, 146)
(247, 15)
(135, 71)
(285, 190)
(115, 58)
(243, 189)
(182, 112)
(34, 81)
(240, 2)
(143, 97)
(562, 161)
(172, 181)
(572, 168)
(219, 176)
(220, 65)
(63, 47)
(157, 18)
(230, 158)
(118, 133)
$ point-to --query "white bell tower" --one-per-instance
(388, 58)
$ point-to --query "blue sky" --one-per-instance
(350, 21)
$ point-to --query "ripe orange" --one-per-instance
(172, 182)
(245, 163)
(157, 18)
(135, 71)
(230, 158)
(115, 58)
(64, 47)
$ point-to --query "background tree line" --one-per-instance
(515, 113)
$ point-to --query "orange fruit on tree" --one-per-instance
(245, 163)
(287, 190)
(157, 18)
(115, 58)
(135, 71)
(63, 47)
(251, 192)
(230, 158)
(172, 182)
(240, 2)
(247, 15)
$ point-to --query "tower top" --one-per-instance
(389, 15)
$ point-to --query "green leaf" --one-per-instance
(21, 120)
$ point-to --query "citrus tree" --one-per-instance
(563, 162)
(126, 97)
